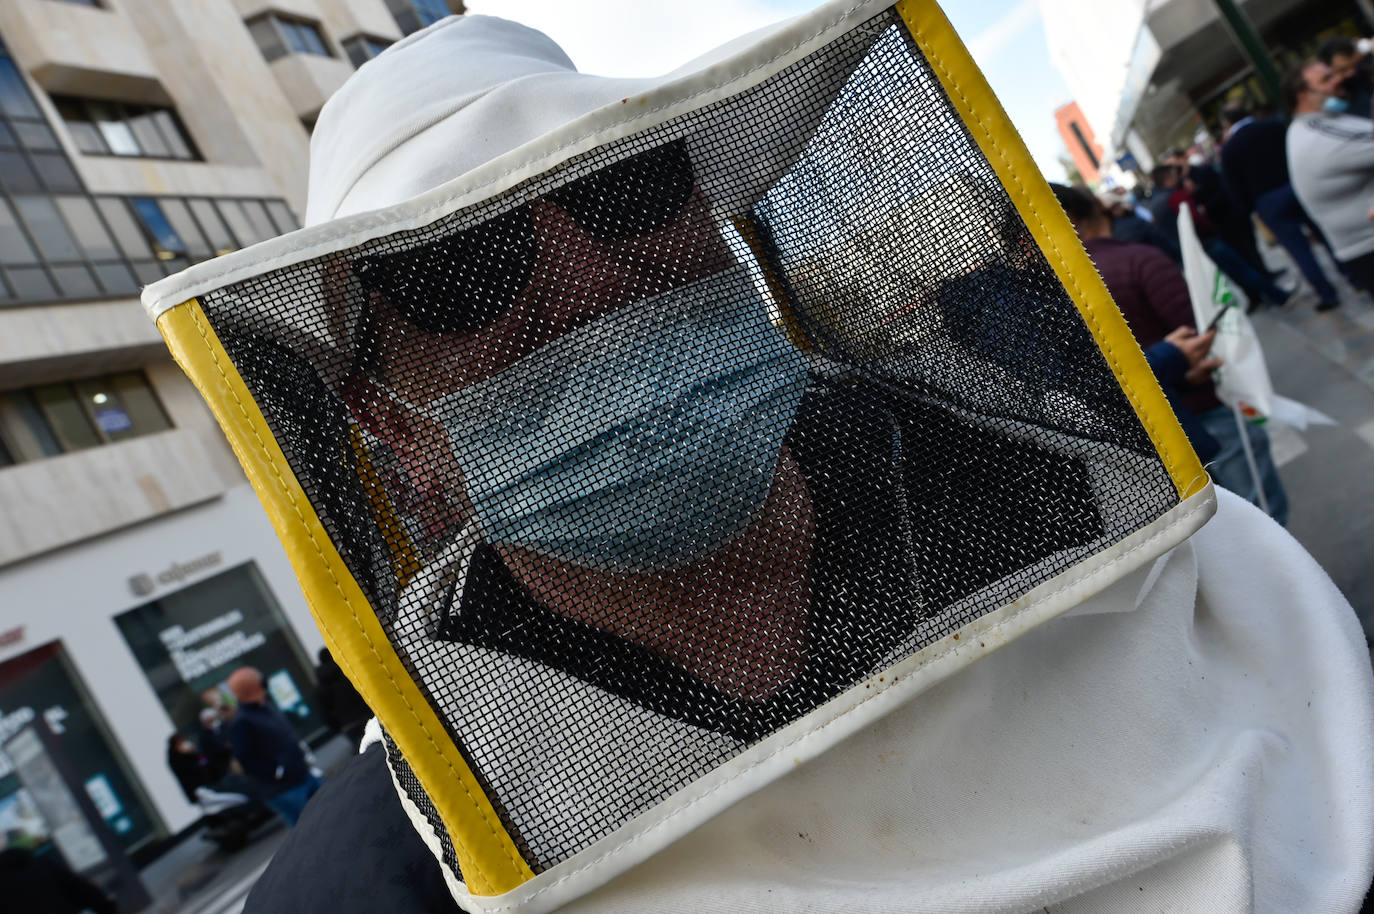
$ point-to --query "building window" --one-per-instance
(189, 640)
(52, 419)
(68, 247)
(42, 689)
(279, 35)
(93, 4)
(413, 15)
(113, 128)
(362, 48)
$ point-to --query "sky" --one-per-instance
(649, 37)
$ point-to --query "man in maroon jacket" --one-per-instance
(1152, 294)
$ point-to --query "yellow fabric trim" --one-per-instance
(490, 863)
(405, 561)
(1001, 144)
(791, 324)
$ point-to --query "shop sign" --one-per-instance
(143, 584)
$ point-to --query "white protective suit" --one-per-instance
(1194, 737)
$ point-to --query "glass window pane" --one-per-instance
(148, 271)
(149, 138)
(294, 39)
(85, 224)
(117, 134)
(356, 49)
(87, 138)
(57, 173)
(66, 417)
(14, 247)
(173, 135)
(174, 265)
(258, 216)
(75, 281)
(47, 229)
(7, 140)
(35, 135)
(6, 460)
(26, 427)
(104, 408)
(14, 95)
(264, 32)
(238, 223)
(16, 174)
(140, 402)
(185, 227)
(166, 242)
(116, 279)
(282, 217)
(313, 40)
(131, 239)
(213, 225)
(31, 284)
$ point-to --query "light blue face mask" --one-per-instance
(1335, 105)
(638, 442)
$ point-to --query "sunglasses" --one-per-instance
(465, 281)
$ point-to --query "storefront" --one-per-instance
(111, 645)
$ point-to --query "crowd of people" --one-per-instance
(1307, 181)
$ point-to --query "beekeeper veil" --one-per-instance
(637, 440)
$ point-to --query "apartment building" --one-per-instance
(136, 566)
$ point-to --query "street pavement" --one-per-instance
(195, 877)
(1326, 360)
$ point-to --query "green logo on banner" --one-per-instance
(1221, 291)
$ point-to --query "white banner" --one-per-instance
(1243, 378)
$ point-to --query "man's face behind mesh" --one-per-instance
(463, 310)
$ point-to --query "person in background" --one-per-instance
(213, 742)
(1258, 287)
(32, 883)
(1353, 72)
(1152, 294)
(1127, 224)
(1331, 161)
(1254, 164)
(1164, 180)
(191, 767)
(342, 708)
(268, 749)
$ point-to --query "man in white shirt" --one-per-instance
(1331, 162)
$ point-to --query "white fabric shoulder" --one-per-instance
(1195, 738)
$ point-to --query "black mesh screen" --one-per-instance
(650, 456)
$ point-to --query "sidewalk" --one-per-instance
(1326, 360)
(196, 877)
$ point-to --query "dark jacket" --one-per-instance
(30, 882)
(1152, 294)
(267, 747)
(1135, 230)
(1254, 161)
(192, 770)
(1170, 365)
(353, 852)
(342, 708)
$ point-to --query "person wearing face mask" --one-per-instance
(1331, 161)
(729, 502)
(1354, 75)
(1254, 166)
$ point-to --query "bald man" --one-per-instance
(268, 748)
